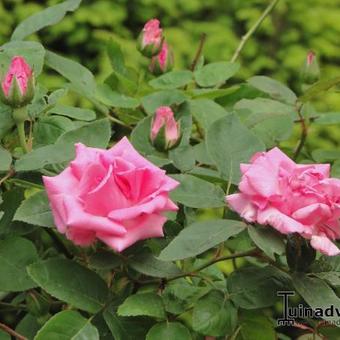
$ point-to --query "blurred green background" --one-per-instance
(278, 48)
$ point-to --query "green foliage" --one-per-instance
(15, 255)
(147, 304)
(68, 325)
(212, 274)
(199, 237)
(70, 282)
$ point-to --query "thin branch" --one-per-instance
(193, 273)
(117, 121)
(199, 52)
(11, 305)
(304, 133)
(25, 184)
(10, 173)
(106, 112)
(252, 30)
(251, 252)
(12, 332)
(30, 136)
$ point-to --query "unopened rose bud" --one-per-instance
(162, 62)
(165, 131)
(310, 73)
(17, 87)
(150, 39)
(299, 253)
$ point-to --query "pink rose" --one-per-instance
(151, 38)
(165, 131)
(162, 62)
(290, 197)
(114, 195)
(18, 83)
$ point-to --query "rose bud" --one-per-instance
(165, 131)
(163, 62)
(310, 72)
(299, 253)
(18, 84)
(150, 39)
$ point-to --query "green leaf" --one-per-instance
(73, 112)
(140, 138)
(319, 88)
(317, 294)
(254, 287)
(48, 129)
(213, 93)
(333, 278)
(215, 73)
(47, 17)
(328, 118)
(335, 170)
(35, 210)
(183, 157)
(180, 294)
(32, 51)
(124, 328)
(147, 264)
(256, 326)
(273, 88)
(268, 240)
(168, 331)
(322, 156)
(95, 134)
(11, 201)
(199, 237)
(115, 99)
(197, 193)
(4, 335)
(206, 112)
(28, 326)
(68, 325)
(162, 98)
(172, 80)
(123, 79)
(214, 315)
(269, 120)
(201, 154)
(15, 255)
(105, 260)
(5, 159)
(70, 282)
(116, 58)
(147, 304)
(206, 174)
(80, 77)
(6, 120)
(230, 143)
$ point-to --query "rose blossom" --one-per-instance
(290, 197)
(114, 195)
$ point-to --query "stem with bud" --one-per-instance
(20, 116)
